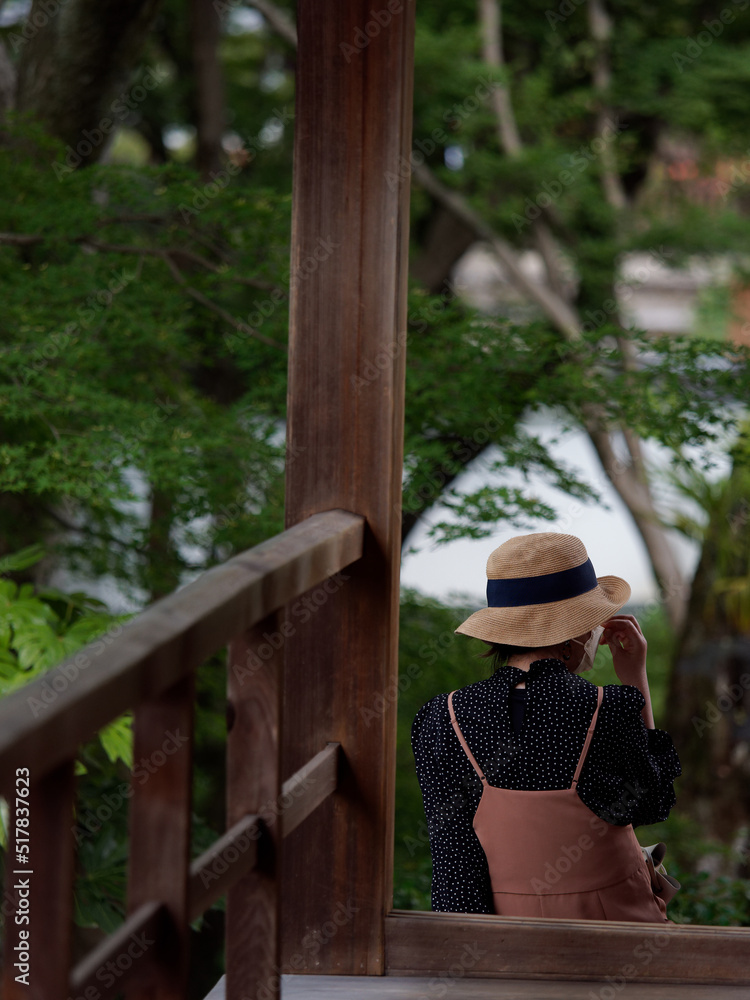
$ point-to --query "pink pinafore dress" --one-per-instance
(549, 855)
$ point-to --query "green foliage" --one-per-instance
(704, 898)
(39, 627)
(113, 368)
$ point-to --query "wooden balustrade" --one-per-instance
(149, 666)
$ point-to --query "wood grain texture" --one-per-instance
(254, 786)
(234, 854)
(40, 892)
(427, 944)
(413, 988)
(345, 433)
(309, 787)
(44, 723)
(139, 932)
(159, 830)
(229, 858)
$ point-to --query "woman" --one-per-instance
(533, 779)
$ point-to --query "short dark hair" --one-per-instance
(501, 653)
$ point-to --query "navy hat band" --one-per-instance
(525, 590)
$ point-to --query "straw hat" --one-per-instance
(541, 590)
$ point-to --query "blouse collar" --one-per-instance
(539, 667)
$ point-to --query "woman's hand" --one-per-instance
(623, 635)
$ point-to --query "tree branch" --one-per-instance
(557, 310)
(166, 254)
(208, 85)
(490, 17)
(600, 29)
(74, 71)
(84, 529)
(278, 19)
(626, 479)
(490, 22)
(237, 324)
(7, 80)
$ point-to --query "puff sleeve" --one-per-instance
(450, 791)
(631, 769)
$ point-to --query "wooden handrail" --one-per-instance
(234, 854)
(45, 722)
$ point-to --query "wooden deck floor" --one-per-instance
(417, 988)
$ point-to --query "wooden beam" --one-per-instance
(345, 431)
(126, 957)
(234, 854)
(44, 723)
(229, 858)
(307, 788)
(254, 786)
(159, 829)
(428, 944)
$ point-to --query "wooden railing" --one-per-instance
(150, 667)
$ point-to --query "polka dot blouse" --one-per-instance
(626, 778)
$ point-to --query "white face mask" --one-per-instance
(589, 649)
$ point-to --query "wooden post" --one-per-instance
(159, 857)
(253, 787)
(345, 449)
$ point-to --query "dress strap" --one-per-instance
(589, 734)
(461, 739)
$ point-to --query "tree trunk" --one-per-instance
(74, 72)
(709, 696)
(205, 28)
(7, 80)
(162, 571)
(446, 239)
